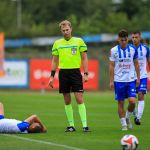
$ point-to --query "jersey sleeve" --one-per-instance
(111, 56)
(55, 49)
(82, 45)
(148, 52)
(23, 126)
(1, 117)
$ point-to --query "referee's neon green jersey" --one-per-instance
(69, 52)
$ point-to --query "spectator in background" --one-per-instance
(144, 59)
(69, 52)
(30, 125)
(123, 63)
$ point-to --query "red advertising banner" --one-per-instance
(40, 73)
(2, 72)
(93, 83)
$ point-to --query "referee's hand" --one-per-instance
(51, 80)
(85, 78)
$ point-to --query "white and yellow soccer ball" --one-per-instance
(129, 142)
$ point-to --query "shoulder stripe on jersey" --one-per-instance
(129, 55)
(62, 47)
(119, 51)
(141, 53)
(148, 51)
(124, 53)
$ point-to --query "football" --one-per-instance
(129, 142)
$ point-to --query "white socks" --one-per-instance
(140, 109)
(123, 122)
(128, 114)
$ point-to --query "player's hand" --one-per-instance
(111, 84)
(85, 78)
(137, 82)
(51, 80)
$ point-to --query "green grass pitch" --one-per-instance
(102, 119)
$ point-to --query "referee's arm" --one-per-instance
(84, 59)
(54, 66)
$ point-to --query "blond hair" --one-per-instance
(64, 23)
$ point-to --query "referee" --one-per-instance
(68, 53)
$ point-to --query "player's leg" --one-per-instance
(77, 88)
(69, 110)
(131, 94)
(141, 105)
(142, 90)
(64, 87)
(121, 113)
(140, 108)
(120, 97)
(129, 112)
(82, 110)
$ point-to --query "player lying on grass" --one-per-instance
(30, 125)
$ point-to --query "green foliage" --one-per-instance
(7, 15)
(115, 22)
(41, 18)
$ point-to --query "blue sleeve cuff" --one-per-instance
(23, 126)
(1, 117)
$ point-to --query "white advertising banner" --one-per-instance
(16, 74)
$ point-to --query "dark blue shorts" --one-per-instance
(124, 90)
(143, 86)
(1, 117)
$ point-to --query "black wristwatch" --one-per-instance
(86, 73)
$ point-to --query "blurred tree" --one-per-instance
(130, 7)
(55, 10)
(7, 15)
(41, 18)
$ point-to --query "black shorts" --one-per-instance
(70, 80)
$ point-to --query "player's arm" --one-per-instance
(1, 109)
(137, 69)
(148, 56)
(111, 72)
(84, 59)
(54, 66)
(148, 62)
(35, 118)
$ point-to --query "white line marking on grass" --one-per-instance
(43, 142)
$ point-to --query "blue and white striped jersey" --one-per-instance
(13, 126)
(143, 54)
(124, 70)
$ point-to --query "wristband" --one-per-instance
(53, 73)
(86, 73)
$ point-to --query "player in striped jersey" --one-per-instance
(30, 125)
(144, 59)
(123, 63)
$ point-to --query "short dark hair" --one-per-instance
(136, 32)
(123, 33)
